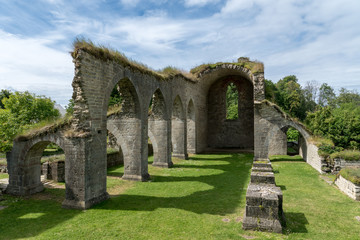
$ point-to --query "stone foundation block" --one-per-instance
(263, 177)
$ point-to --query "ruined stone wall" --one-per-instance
(349, 188)
(238, 133)
(212, 127)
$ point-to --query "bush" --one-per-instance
(351, 174)
(350, 155)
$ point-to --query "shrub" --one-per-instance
(351, 174)
(351, 155)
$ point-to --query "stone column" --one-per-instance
(179, 138)
(162, 148)
(85, 171)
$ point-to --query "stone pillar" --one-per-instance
(85, 171)
(178, 138)
(261, 130)
(132, 136)
(191, 136)
(162, 145)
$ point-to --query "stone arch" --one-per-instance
(158, 131)
(25, 163)
(128, 128)
(191, 127)
(178, 129)
(277, 137)
(234, 133)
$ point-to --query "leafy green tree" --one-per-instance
(4, 94)
(21, 110)
(232, 100)
(28, 108)
(70, 107)
(270, 91)
(290, 97)
(326, 95)
(346, 96)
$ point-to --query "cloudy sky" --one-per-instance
(312, 39)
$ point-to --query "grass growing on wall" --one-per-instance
(351, 174)
(200, 198)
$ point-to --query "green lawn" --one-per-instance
(200, 198)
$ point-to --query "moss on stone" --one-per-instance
(44, 128)
(254, 66)
(107, 54)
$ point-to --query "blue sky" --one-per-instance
(312, 39)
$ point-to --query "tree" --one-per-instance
(290, 97)
(21, 110)
(270, 91)
(326, 95)
(347, 96)
(232, 99)
(4, 94)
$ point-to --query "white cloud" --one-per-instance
(129, 3)
(199, 3)
(28, 64)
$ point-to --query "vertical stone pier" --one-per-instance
(264, 199)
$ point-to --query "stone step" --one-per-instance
(262, 177)
(261, 169)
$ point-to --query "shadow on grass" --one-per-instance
(29, 217)
(227, 188)
(295, 223)
(286, 158)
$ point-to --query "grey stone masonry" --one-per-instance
(264, 199)
(349, 188)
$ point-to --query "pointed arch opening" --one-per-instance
(159, 130)
(178, 129)
(124, 122)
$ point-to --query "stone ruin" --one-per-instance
(188, 116)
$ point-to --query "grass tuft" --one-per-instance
(351, 174)
(43, 127)
(350, 155)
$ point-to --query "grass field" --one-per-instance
(200, 198)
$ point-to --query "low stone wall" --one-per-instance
(349, 188)
(54, 171)
(264, 200)
(115, 159)
(339, 164)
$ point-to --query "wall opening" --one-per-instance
(292, 141)
(53, 163)
(124, 122)
(232, 100)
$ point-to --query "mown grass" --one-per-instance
(313, 208)
(200, 198)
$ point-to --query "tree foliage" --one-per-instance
(232, 100)
(21, 110)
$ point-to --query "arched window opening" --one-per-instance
(292, 141)
(232, 101)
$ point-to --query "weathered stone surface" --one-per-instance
(349, 188)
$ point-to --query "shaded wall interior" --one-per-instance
(223, 133)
